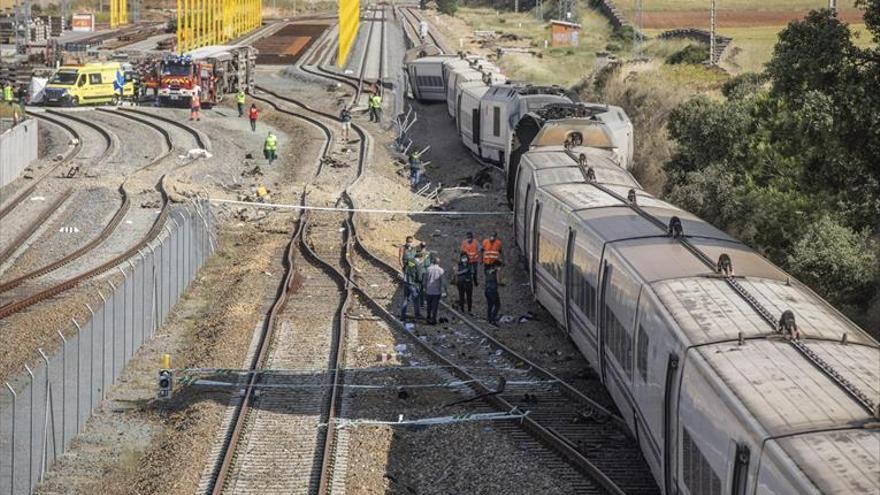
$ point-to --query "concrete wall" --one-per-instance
(18, 148)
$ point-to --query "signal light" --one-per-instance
(166, 379)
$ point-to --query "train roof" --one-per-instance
(709, 310)
(853, 455)
(558, 175)
(792, 398)
(477, 89)
(605, 163)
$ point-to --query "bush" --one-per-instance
(840, 263)
(613, 47)
(691, 54)
(448, 7)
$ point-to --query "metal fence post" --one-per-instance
(92, 354)
(112, 332)
(63, 390)
(31, 432)
(78, 365)
(12, 442)
(49, 414)
(143, 294)
(125, 353)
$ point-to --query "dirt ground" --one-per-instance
(673, 19)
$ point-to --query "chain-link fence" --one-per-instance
(45, 407)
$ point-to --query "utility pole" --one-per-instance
(637, 30)
(516, 6)
(712, 26)
(832, 4)
(539, 10)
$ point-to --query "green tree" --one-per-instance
(448, 7)
(842, 263)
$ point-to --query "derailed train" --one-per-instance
(733, 377)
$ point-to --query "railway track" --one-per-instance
(563, 424)
(111, 226)
(43, 293)
(412, 19)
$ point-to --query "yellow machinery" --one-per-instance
(349, 19)
(118, 12)
(215, 22)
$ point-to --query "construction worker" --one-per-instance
(491, 250)
(471, 248)
(406, 250)
(375, 105)
(8, 93)
(412, 284)
(345, 117)
(415, 169)
(493, 298)
(252, 115)
(464, 280)
(435, 288)
(195, 106)
(270, 148)
(239, 99)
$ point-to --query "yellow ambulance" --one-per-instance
(92, 83)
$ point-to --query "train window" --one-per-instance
(551, 255)
(496, 121)
(583, 294)
(429, 81)
(618, 340)
(699, 477)
(642, 353)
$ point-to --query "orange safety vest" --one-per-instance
(472, 249)
(491, 251)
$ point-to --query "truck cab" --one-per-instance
(180, 77)
(93, 83)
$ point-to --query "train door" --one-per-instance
(566, 307)
(533, 259)
(669, 423)
(527, 216)
(457, 115)
(475, 125)
(603, 317)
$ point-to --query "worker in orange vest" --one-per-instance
(471, 247)
(491, 249)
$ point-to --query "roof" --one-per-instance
(708, 310)
(844, 461)
(642, 255)
(616, 222)
(558, 175)
(783, 390)
(580, 196)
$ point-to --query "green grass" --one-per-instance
(565, 66)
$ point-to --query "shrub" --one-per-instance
(691, 54)
(840, 263)
(448, 7)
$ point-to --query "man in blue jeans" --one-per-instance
(412, 284)
(493, 299)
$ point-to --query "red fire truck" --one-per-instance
(212, 70)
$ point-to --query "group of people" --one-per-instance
(270, 145)
(425, 282)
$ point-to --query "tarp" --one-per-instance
(36, 89)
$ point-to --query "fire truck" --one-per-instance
(213, 70)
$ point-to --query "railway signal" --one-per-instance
(166, 378)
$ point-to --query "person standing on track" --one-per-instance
(415, 169)
(405, 251)
(435, 287)
(239, 99)
(252, 115)
(270, 148)
(464, 280)
(345, 117)
(412, 283)
(491, 250)
(375, 105)
(493, 298)
(195, 105)
(471, 248)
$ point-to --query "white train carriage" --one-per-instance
(426, 77)
(717, 406)
(468, 120)
(461, 72)
(501, 109)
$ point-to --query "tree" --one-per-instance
(448, 7)
(842, 263)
